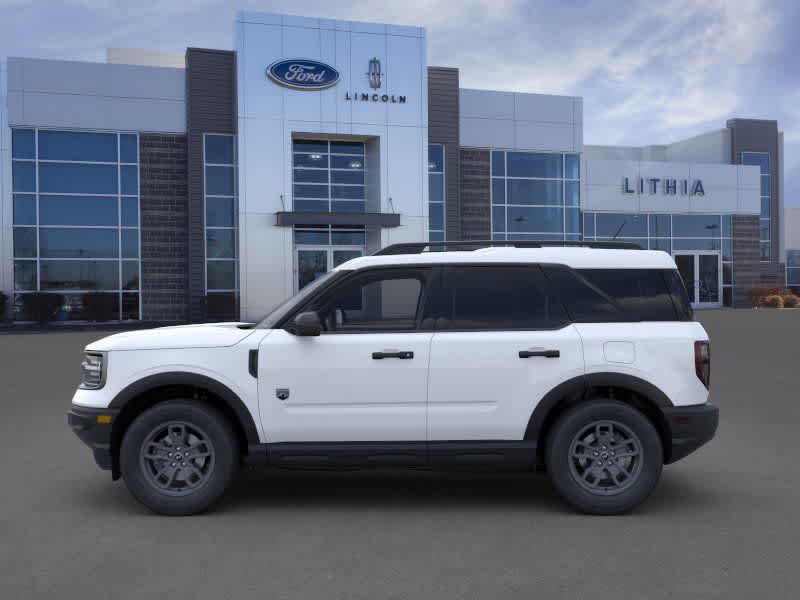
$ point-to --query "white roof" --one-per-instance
(578, 258)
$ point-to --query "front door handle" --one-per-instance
(544, 353)
(403, 354)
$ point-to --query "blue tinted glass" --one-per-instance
(74, 145)
(765, 208)
(588, 225)
(498, 191)
(793, 258)
(24, 275)
(129, 180)
(312, 175)
(793, 277)
(696, 225)
(535, 220)
(78, 243)
(528, 191)
(572, 189)
(347, 148)
(341, 162)
(348, 206)
(765, 185)
(219, 212)
(727, 249)
(311, 237)
(695, 244)
(530, 164)
(77, 179)
(221, 274)
(320, 161)
(23, 144)
(24, 209)
(498, 218)
(77, 210)
(130, 275)
(347, 192)
(436, 187)
(130, 212)
(309, 146)
(348, 238)
(572, 220)
(130, 243)
(25, 242)
(436, 216)
(766, 251)
(23, 176)
(311, 205)
(80, 275)
(219, 149)
(759, 159)
(220, 243)
(219, 181)
(727, 226)
(310, 191)
(641, 242)
(573, 166)
(435, 236)
(435, 158)
(128, 149)
(621, 225)
(498, 163)
(664, 244)
(660, 226)
(572, 237)
(356, 177)
(764, 229)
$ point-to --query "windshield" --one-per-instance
(286, 306)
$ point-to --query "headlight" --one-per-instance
(93, 371)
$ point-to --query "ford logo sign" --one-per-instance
(303, 74)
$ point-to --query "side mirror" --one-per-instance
(307, 324)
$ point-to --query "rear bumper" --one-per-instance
(690, 427)
(83, 421)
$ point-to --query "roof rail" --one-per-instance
(419, 247)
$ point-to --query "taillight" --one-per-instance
(702, 361)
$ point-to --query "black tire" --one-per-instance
(204, 479)
(625, 479)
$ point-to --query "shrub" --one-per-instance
(99, 306)
(773, 301)
(790, 301)
(41, 306)
(3, 306)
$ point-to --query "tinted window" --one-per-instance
(641, 293)
(583, 301)
(498, 298)
(680, 299)
(74, 145)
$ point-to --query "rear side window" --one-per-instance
(497, 298)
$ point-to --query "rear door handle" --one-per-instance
(544, 353)
(402, 354)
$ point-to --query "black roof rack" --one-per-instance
(419, 247)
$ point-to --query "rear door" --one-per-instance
(502, 342)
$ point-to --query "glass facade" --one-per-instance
(219, 158)
(670, 233)
(328, 176)
(761, 160)
(436, 192)
(535, 196)
(76, 221)
(318, 249)
(793, 268)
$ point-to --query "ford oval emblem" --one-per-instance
(303, 74)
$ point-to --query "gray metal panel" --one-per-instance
(443, 128)
(210, 108)
(287, 219)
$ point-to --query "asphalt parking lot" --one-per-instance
(724, 523)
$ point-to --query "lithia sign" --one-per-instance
(306, 74)
(667, 186)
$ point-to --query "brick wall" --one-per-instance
(476, 219)
(163, 196)
(748, 271)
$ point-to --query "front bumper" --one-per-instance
(94, 432)
(690, 427)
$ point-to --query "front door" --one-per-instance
(365, 378)
(702, 274)
(313, 261)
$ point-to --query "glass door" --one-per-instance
(702, 275)
(313, 261)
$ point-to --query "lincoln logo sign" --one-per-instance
(302, 74)
(667, 186)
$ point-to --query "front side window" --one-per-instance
(497, 298)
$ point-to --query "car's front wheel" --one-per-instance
(604, 457)
(178, 457)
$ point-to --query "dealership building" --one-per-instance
(213, 184)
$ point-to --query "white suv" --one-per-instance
(583, 360)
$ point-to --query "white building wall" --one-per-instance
(269, 115)
(146, 58)
(519, 121)
(712, 147)
(82, 95)
(791, 228)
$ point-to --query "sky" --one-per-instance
(649, 72)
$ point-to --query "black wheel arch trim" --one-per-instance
(577, 388)
(230, 398)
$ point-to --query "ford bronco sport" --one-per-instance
(582, 359)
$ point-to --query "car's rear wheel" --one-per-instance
(604, 457)
(178, 457)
